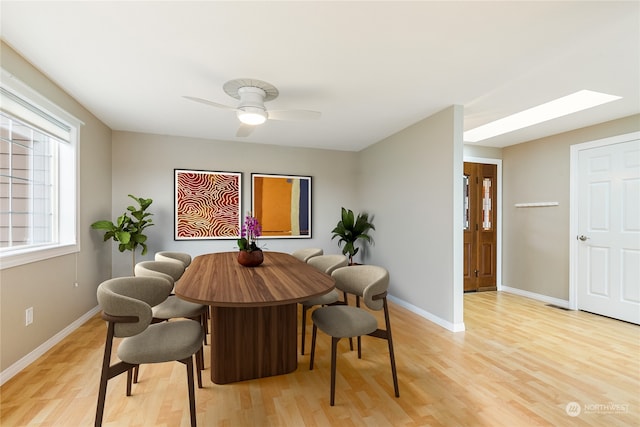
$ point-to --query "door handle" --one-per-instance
(582, 238)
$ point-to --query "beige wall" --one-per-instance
(482, 152)
(47, 286)
(143, 165)
(390, 182)
(536, 240)
(412, 183)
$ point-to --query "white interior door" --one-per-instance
(608, 230)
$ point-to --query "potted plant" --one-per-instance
(250, 254)
(350, 229)
(129, 227)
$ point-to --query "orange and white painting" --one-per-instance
(282, 205)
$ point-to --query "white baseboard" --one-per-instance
(14, 369)
(453, 327)
(544, 298)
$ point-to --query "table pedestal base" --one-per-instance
(254, 342)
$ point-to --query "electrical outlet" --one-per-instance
(28, 316)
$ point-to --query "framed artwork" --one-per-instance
(282, 205)
(207, 204)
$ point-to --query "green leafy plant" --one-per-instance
(128, 228)
(350, 229)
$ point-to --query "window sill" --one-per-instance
(31, 255)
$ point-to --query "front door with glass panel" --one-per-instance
(479, 222)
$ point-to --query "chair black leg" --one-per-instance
(192, 393)
(130, 379)
(394, 373)
(334, 348)
(208, 320)
(313, 346)
(392, 357)
(304, 327)
(102, 393)
(199, 366)
(104, 376)
(359, 339)
(205, 324)
(109, 371)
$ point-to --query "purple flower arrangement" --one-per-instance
(249, 233)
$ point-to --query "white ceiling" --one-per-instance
(371, 68)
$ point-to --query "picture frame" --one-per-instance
(282, 205)
(208, 204)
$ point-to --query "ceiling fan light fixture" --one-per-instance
(252, 116)
(250, 110)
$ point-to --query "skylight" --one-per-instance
(569, 104)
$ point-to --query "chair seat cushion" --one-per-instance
(326, 299)
(174, 307)
(162, 342)
(342, 321)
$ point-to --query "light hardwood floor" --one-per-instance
(519, 363)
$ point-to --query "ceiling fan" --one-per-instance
(251, 111)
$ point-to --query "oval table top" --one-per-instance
(218, 279)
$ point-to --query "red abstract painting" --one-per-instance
(207, 205)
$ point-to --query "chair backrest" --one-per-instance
(328, 263)
(132, 296)
(304, 254)
(363, 280)
(182, 257)
(159, 269)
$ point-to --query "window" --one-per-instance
(38, 170)
(27, 183)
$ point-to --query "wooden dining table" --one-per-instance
(254, 310)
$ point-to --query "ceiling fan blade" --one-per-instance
(293, 114)
(211, 103)
(244, 130)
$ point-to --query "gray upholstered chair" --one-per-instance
(173, 307)
(126, 306)
(160, 268)
(370, 283)
(185, 259)
(304, 254)
(326, 264)
(182, 257)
